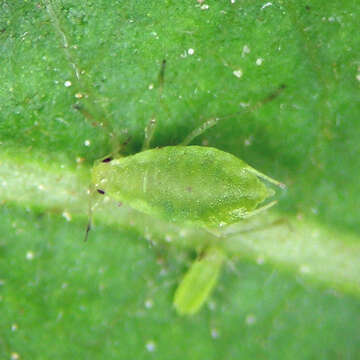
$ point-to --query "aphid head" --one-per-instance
(101, 175)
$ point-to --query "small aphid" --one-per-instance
(198, 282)
(191, 186)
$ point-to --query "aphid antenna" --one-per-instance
(83, 90)
(151, 126)
(64, 39)
(272, 96)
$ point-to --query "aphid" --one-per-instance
(199, 281)
(188, 185)
(191, 186)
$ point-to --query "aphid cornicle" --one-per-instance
(191, 186)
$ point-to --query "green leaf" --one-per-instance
(290, 290)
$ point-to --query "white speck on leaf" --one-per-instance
(238, 73)
(79, 160)
(204, 7)
(30, 255)
(66, 215)
(59, 316)
(62, 121)
(266, 5)
(67, 83)
(250, 319)
(304, 269)
(211, 305)
(246, 50)
(248, 141)
(314, 211)
(87, 142)
(259, 61)
(191, 51)
(150, 346)
(214, 333)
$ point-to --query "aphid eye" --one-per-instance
(102, 192)
(108, 159)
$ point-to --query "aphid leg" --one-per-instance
(213, 121)
(200, 130)
(265, 177)
(259, 210)
(162, 77)
(91, 117)
(277, 222)
(151, 126)
(89, 224)
(91, 194)
(258, 227)
(149, 132)
(118, 148)
(214, 231)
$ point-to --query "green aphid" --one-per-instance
(190, 186)
(199, 281)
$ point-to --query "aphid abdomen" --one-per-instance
(186, 184)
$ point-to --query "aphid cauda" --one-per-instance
(191, 186)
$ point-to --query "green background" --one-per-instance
(290, 291)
